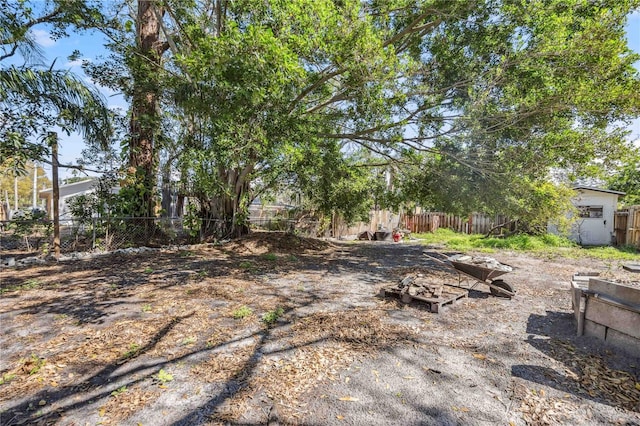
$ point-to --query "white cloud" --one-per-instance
(42, 38)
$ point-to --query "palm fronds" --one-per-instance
(61, 93)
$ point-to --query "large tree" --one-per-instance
(489, 94)
(136, 69)
(145, 65)
(627, 179)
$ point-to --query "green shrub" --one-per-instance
(242, 312)
(270, 256)
(270, 317)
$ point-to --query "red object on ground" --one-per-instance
(397, 237)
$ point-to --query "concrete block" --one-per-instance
(619, 318)
(632, 267)
(584, 276)
(596, 330)
(623, 341)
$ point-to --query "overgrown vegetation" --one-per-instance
(459, 106)
(547, 244)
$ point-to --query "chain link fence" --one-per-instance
(107, 234)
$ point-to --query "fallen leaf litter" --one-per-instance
(183, 320)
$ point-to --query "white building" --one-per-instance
(67, 192)
(596, 208)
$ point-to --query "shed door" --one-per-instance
(593, 226)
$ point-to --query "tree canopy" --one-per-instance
(23, 184)
(627, 180)
(460, 105)
(471, 103)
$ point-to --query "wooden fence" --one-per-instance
(476, 223)
(377, 219)
(627, 226)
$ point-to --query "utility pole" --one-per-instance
(53, 141)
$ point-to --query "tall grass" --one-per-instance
(544, 244)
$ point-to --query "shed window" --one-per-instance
(590, 211)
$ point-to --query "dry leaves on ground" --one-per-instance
(540, 409)
(593, 376)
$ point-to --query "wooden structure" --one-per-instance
(627, 226)
(418, 222)
(607, 310)
(417, 288)
(378, 219)
(476, 223)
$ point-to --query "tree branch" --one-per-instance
(314, 86)
(74, 167)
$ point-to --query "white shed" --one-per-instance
(67, 192)
(596, 208)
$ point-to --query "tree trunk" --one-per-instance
(167, 192)
(227, 215)
(145, 65)
(180, 205)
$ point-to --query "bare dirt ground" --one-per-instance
(158, 339)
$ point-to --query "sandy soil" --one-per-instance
(283, 330)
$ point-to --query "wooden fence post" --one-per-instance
(53, 141)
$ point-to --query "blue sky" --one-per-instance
(91, 47)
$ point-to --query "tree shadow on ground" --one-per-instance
(264, 348)
(554, 335)
(130, 371)
(23, 413)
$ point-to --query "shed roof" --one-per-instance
(591, 188)
(69, 186)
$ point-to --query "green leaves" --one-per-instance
(34, 98)
(469, 104)
(627, 179)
